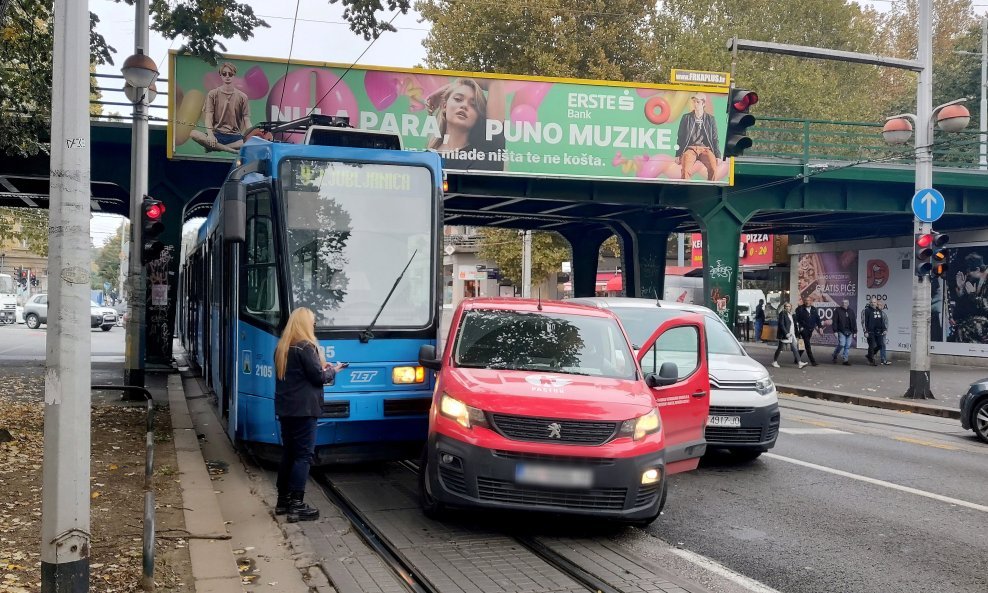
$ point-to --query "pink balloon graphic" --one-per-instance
(617, 160)
(419, 87)
(381, 87)
(524, 113)
(647, 92)
(723, 170)
(292, 97)
(257, 83)
(673, 171)
(652, 168)
(531, 94)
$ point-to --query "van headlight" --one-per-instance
(466, 416)
(638, 428)
(764, 386)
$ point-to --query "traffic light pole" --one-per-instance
(65, 513)
(137, 284)
(919, 354)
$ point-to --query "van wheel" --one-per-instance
(746, 455)
(32, 321)
(432, 508)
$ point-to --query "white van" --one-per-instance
(744, 406)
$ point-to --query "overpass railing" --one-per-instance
(786, 138)
(812, 140)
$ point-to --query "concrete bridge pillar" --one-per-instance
(585, 245)
(721, 228)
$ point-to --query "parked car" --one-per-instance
(541, 406)
(974, 409)
(36, 313)
(744, 406)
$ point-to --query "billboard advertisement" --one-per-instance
(886, 275)
(480, 123)
(827, 279)
(959, 322)
(754, 249)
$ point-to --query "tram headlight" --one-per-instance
(407, 375)
(638, 428)
(466, 416)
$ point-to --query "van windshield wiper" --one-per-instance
(367, 334)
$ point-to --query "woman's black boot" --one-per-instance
(281, 507)
(298, 510)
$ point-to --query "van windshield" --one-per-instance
(641, 322)
(557, 343)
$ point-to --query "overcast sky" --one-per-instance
(320, 35)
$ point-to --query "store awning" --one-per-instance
(615, 284)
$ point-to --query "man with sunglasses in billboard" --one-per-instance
(226, 114)
(697, 139)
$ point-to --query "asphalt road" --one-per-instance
(851, 499)
(18, 343)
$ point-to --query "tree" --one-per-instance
(25, 224)
(609, 39)
(504, 248)
(611, 247)
(107, 260)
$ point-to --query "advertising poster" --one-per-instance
(827, 279)
(886, 274)
(480, 123)
(753, 250)
(960, 304)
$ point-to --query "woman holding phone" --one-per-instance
(301, 372)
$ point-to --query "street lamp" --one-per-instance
(140, 72)
(950, 117)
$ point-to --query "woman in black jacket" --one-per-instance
(786, 333)
(301, 372)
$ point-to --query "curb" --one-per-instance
(214, 569)
(871, 402)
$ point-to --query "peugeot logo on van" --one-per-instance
(555, 430)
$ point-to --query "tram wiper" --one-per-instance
(367, 335)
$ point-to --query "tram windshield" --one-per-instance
(351, 230)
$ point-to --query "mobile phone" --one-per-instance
(344, 365)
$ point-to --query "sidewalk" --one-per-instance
(863, 384)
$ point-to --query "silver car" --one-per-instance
(36, 313)
(744, 406)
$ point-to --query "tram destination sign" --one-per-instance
(480, 123)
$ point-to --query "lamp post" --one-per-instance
(140, 72)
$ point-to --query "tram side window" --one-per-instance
(261, 263)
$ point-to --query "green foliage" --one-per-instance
(107, 260)
(362, 15)
(25, 224)
(611, 247)
(504, 248)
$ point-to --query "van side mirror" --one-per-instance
(668, 374)
(427, 357)
(234, 212)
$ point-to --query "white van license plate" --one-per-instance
(726, 421)
(564, 477)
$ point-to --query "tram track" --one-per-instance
(552, 564)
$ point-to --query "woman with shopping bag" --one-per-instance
(786, 334)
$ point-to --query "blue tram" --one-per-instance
(348, 225)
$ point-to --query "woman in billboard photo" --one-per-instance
(968, 310)
(462, 110)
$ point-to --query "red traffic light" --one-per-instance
(924, 240)
(746, 100)
(155, 211)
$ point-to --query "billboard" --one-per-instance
(887, 274)
(480, 123)
(753, 250)
(827, 279)
(959, 323)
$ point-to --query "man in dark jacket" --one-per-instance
(845, 327)
(808, 321)
(875, 329)
(759, 319)
(697, 139)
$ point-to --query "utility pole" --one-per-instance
(919, 356)
(65, 530)
(526, 266)
(136, 296)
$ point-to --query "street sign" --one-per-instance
(929, 205)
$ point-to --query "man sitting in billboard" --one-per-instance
(697, 139)
(226, 115)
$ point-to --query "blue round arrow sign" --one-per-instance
(928, 204)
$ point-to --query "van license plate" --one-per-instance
(727, 421)
(563, 477)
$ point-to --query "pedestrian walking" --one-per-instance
(875, 328)
(786, 335)
(845, 327)
(883, 342)
(808, 321)
(759, 319)
(301, 372)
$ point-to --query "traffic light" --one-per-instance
(153, 211)
(739, 119)
(931, 254)
(939, 259)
